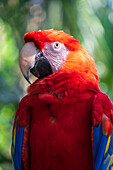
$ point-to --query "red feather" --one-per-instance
(60, 136)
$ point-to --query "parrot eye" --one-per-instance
(56, 46)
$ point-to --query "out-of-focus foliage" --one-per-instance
(90, 21)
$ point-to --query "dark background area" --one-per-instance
(90, 21)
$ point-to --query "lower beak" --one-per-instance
(42, 68)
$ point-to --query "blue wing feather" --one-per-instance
(20, 136)
(17, 142)
(102, 116)
(100, 146)
(103, 160)
(107, 161)
(97, 135)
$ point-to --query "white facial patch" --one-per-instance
(56, 53)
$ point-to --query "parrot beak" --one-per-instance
(32, 60)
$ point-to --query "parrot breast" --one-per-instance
(60, 134)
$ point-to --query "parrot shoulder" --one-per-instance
(102, 118)
(101, 105)
(20, 136)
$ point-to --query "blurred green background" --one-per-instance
(90, 21)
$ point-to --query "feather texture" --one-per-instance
(102, 132)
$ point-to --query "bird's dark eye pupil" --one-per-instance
(56, 45)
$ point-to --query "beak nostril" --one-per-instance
(38, 55)
(41, 53)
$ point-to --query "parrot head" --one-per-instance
(49, 51)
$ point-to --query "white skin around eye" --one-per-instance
(56, 56)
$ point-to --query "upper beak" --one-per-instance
(27, 59)
(32, 60)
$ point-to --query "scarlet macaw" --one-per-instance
(65, 121)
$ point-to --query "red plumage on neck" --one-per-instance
(64, 84)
